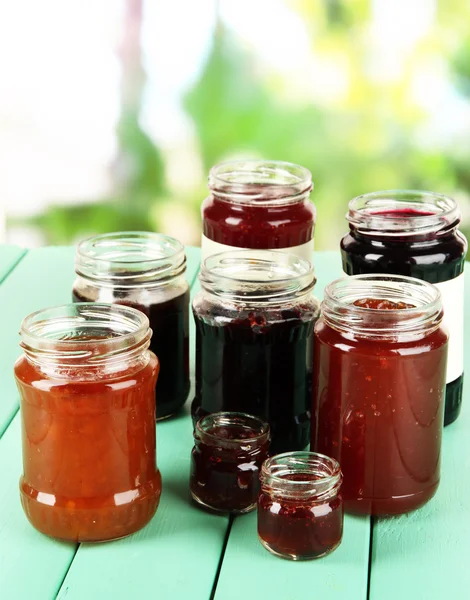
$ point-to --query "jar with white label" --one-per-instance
(414, 233)
(260, 205)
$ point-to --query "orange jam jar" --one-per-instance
(87, 389)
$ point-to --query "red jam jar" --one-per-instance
(87, 396)
(146, 271)
(229, 449)
(254, 321)
(262, 205)
(379, 388)
(300, 509)
(416, 234)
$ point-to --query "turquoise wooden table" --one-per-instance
(185, 553)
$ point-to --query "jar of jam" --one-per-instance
(300, 509)
(254, 341)
(229, 449)
(146, 271)
(415, 234)
(262, 205)
(87, 391)
(379, 387)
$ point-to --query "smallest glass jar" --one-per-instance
(229, 449)
(300, 509)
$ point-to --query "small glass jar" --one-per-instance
(87, 390)
(379, 387)
(229, 449)
(414, 233)
(254, 340)
(300, 510)
(146, 271)
(262, 205)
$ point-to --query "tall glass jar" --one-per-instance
(258, 205)
(254, 339)
(379, 387)
(87, 390)
(146, 271)
(414, 233)
(300, 509)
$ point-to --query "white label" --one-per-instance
(208, 248)
(452, 299)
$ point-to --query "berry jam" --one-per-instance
(258, 362)
(169, 321)
(381, 304)
(225, 461)
(416, 236)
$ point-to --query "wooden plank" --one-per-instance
(425, 553)
(343, 574)
(177, 554)
(9, 257)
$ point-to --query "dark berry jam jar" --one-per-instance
(254, 340)
(229, 449)
(258, 205)
(415, 234)
(146, 271)
(300, 509)
(379, 389)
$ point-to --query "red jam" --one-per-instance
(228, 453)
(381, 304)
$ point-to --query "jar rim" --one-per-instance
(260, 182)
(257, 275)
(227, 419)
(327, 471)
(340, 312)
(46, 334)
(130, 258)
(378, 213)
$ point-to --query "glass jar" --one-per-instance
(254, 340)
(146, 271)
(229, 449)
(87, 391)
(416, 234)
(379, 386)
(262, 205)
(300, 509)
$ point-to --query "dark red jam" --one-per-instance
(257, 362)
(381, 304)
(378, 409)
(433, 255)
(229, 449)
(169, 321)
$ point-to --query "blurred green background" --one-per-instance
(137, 99)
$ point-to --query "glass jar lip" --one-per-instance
(228, 418)
(340, 312)
(130, 258)
(260, 182)
(43, 332)
(373, 213)
(257, 275)
(275, 469)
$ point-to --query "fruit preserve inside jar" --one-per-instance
(415, 234)
(379, 385)
(87, 391)
(254, 340)
(258, 205)
(229, 449)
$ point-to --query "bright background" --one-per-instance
(112, 111)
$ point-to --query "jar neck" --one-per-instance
(260, 183)
(81, 340)
(340, 312)
(257, 277)
(301, 476)
(131, 260)
(232, 431)
(403, 215)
